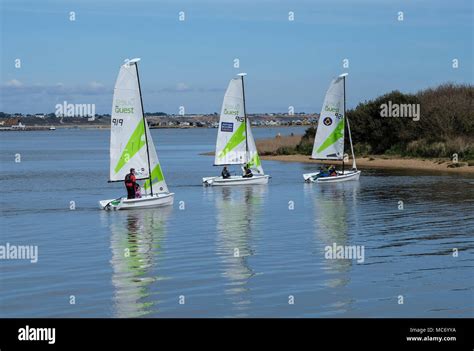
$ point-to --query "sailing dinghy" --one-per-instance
(329, 140)
(131, 145)
(235, 143)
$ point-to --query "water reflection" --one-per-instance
(335, 209)
(238, 213)
(136, 239)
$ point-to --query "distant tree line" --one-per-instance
(156, 114)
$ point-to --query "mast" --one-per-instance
(354, 166)
(245, 119)
(344, 116)
(145, 129)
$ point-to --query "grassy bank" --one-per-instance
(377, 162)
(445, 128)
(285, 149)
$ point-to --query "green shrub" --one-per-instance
(362, 149)
(286, 150)
(304, 148)
(446, 124)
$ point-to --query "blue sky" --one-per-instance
(189, 63)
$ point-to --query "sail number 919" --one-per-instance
(117, 122)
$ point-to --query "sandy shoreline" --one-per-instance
(268, 147)
(377, 162)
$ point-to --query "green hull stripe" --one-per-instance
(336, 134)
(135, 143)
(234, 141)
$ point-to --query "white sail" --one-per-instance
(128, 144)
(253, 160)
(157, 177)
(329, 140)
(230, 145)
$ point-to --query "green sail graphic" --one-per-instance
(156, 176)
(135, 143)
(235, 140)
(255, 161)
(336, 134)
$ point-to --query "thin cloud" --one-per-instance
(184, 88)
(14, 83)
(14, 88)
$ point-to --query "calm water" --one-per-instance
(125, 264)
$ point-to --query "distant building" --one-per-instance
(18, 126)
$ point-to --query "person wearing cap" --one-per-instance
(131, 183)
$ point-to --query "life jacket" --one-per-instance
(129, 180)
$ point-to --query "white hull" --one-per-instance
(157, 200)
(341, 177)
(236, 180)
